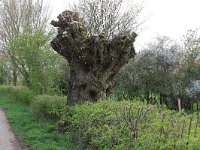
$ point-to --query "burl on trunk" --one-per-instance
(94, 60)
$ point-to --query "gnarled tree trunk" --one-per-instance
(94, 60)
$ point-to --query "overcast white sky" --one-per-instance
(165, 17)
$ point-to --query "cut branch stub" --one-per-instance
(94, 60)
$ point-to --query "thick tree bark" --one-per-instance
(94, 60)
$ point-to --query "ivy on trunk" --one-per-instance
(94, 60)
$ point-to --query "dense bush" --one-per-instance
(127, 125)
(19, 94)
(48, 107)
(117, 125)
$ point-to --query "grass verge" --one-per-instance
(32, 133)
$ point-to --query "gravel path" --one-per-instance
(7, 138)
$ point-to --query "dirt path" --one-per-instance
(7, 138)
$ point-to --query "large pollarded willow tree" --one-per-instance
(96, 42)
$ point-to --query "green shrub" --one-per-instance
(100, 125)
(19, 94)
(132, 125)
(7, 90)
(115, 125)
(24, 95)
(48, 107)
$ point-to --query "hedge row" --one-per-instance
(118, 125)
(48, 107)
(19, 94)
(42, 106)
(132, 126)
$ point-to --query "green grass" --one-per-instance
(32, 133)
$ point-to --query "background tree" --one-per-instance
(14, 16)
(191, 55)
(109, 17)
(190, 69)
(64, 77)
(5, 70)
(164, 69)
(166, 61)
(35, 61)
(152, 71)
(94, 56)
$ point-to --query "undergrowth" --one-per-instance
(32, 133)
(128, 125)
